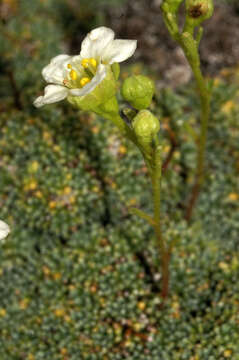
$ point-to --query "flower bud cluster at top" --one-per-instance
(197, 11)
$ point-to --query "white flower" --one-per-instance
(4, 230)
(79, 75)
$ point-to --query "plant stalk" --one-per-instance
(189, 42)
(205, 96)
(164, 253)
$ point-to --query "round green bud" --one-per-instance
(199, 11)
(138, 90)
(145, 126)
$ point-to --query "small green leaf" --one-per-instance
(142, 215)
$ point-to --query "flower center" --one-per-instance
(81, 74)
(89, 63)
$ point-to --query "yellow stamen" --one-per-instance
(84, 81)
(73, 75)
(69, 66)
(86, 62)
(93, 62)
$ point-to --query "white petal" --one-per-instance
(52, 93)
(76, 60)
(119, 50)
(4, 230)
(95, 42)
(99, 76)
(55, 72)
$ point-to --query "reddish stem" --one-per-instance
(165, 275)
(192, 201)
(16, 92)
(174, 145)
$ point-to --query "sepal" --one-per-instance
(116, 70)
(104, 91)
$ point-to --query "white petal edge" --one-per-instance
(99, 76)
(52, 94)
(4, 230)
(119, 50)
(94, 43)
(56, 71)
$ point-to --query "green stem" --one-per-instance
(155, 169)
(165, 275)
(190, 43)
(142, 215)
(126, 131)
(156, 179)
(164, 253)
(205, 95)
(205, 111)
(123, 127)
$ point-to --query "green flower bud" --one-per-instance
(170, 15)
(103, 92)
(171, 5)
(146, 126)
(138, 90)
(198, 11)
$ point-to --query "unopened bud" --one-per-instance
(138, 90)
(145, 126)
(198, 11)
